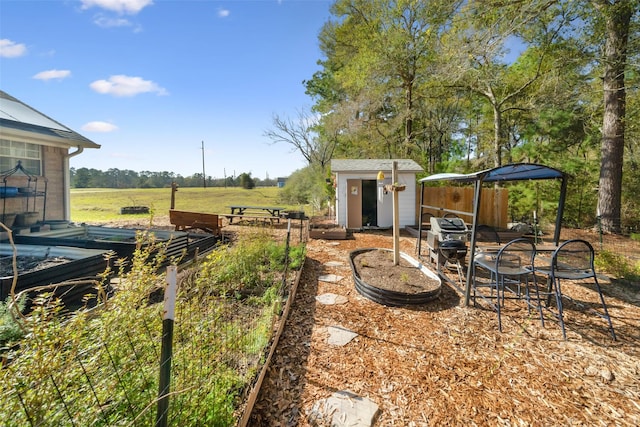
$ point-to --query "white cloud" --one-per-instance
(52, 74)
(98, 126)
(223, 13)
(130, 7)
(121, 85)
(11, 49)
(107, 22)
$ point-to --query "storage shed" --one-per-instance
(361, 198)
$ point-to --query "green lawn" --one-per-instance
(103, 204)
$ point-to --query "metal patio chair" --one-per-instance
(487, 233)
(509, 269)
(572, 260)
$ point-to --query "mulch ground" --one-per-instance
(445, 364)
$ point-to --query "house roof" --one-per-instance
(17, 116)
(512, 172)
(373, 165)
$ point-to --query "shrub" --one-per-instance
(617, 265)
(100, 367)
(10, 328)
(249, 267)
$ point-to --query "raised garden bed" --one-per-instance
(39, 265)
(120, 240)
(326, 228)
(134, 210)
(379, 279)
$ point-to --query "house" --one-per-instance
(34, 158)
(361, 199)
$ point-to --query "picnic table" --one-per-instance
(255, 212)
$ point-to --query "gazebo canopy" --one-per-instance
(511, 172)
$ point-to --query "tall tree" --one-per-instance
(616, 15)
(378, 55)
(477, 56)
(302, 134)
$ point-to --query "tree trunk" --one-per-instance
(617, 18)
(497, 130)
(408, 124)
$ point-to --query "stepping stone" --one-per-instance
(331, 278)
(334, 264)
(343, 408)
(340, 336)
(331, 299)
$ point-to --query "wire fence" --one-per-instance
(102, 367)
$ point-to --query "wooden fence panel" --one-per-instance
(493, 207)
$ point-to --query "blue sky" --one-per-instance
(151, 80)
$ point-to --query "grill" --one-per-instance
(446, 242)
(453, 250)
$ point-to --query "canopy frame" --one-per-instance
(510, 172)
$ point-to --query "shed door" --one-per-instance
(369, 202)
(354, 203)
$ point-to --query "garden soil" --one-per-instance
(442, 363)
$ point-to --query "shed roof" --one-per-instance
(373, 165)
(16, 115)
(512, 172)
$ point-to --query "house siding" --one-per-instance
(53, 174)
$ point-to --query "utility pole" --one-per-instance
(204, 176)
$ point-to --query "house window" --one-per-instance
(28, 154)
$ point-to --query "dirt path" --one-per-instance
(443, 364)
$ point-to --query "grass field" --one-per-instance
(93, 205)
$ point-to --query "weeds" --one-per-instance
(618, 266)
(248, 268)
(10, 329)
(101, 367)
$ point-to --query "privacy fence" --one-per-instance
(102, 367)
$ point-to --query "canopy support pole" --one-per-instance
(474, 229)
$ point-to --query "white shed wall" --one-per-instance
(406, 199)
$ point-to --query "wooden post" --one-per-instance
(396, 215)
(174, 188)
(166, 351)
